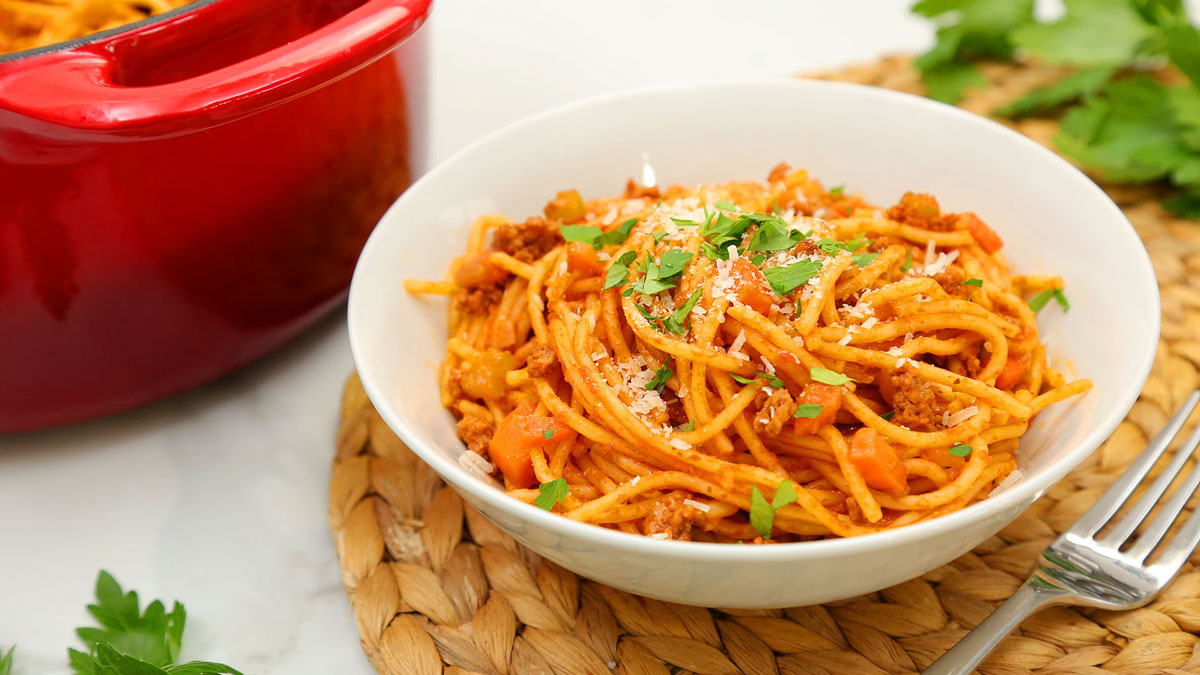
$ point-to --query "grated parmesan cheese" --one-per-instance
(735, 350)
(930, 251)
(940, 264)
(472, 462)
(871, 321)
(845, 339)
(610, 216)
(635, 480)
(660, 535)
(819, 213)
(958, 417)
(768, 365)
(680, 444)
(699, 506)
(895, 351)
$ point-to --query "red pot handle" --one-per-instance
(77, 86)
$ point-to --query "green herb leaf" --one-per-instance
(808, 410)
(548, 434)
(1092, 33)
(552, 493)
(865, 259)
(907, 263)
(888, 415)
(1071, 88)
(672, 263)
(784, 494)
(787, 278)
(660, 378)
(677, 322)
(658, 236)
(762, 517)
(977, 283)
(949, 82)
(772, 381)
(772, 235)
(6, 660)
(585, 233)
(960, 450)
(836, 191)
(618, 236)
(618, 271)
(826, 376)
(1037, 302)
(970, 30)
(689, 427)
(726, 206)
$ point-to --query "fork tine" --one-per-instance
(1154, 532)
(1108, 504)
(1180, 548)
(1129, 522)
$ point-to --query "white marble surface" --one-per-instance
(218, 497)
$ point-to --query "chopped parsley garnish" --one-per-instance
(772, 234)
(758, 259)
(762, 513)
(658, 236)
(907, 263)
(548, 434)
(960, 450)
(726, 206)
(618, 271)
(836, 191)
(676, 322)
(552, 493)
(772, 381)
(595, 236)
(888, 415)
(833, 246)
(660, 378)
(787, 278)
(808, 410)
(977, 283)
(1037, 302)
(865, 259)
(689, 427)
(659, 276)
(826, 376)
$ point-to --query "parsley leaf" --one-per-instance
(865, 259)
(772, 381)
(660, 378)
(130, 640)
(907, 263)
(762, 513)
(552, 493)
(969, 30)
(584, 233)
(836, 191)
(960, 450)
(658, 236)
(1092, 33)
(659, 276)
(675, 322)
(808, 410)
(672, 263)
(787, 278)
(6, 660)
(977, 283)
(618, 236)
(773, 235)
(548, 434)
(1037, 302)
(888, 415)
(726, 206)
(1072, 87)
(826, 376)
(618, 271)
(690, 426)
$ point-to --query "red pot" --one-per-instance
(181, 195)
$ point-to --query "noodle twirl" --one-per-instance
(745, 361)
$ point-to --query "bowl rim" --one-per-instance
(1020, 496)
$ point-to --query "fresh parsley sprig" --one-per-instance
(597, 237)
(762, 513)
(1120, 124)
(6, 660)
(1037, 302)
(551, 493)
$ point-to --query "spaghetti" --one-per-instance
(28, 24)
(744, 361)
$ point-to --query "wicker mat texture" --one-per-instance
(437, 588)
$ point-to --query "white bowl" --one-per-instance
(1052, 218)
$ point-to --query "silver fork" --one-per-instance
(1081, 568)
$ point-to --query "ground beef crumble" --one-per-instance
(477, 300)
(919, 210)
(527, 241)
(542, 360)
(777, 408)
(917, 406)
(476, 431)
(952, 280)
(672, 517)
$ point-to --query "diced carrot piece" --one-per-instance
(518, 433)
(985, 236)
(486, 377)
(1013, 369)
(566, 206)
(878, 462)
(751, 286)
(478, 272)
(582, 258)
(824, 395)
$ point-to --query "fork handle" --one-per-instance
(976, 645)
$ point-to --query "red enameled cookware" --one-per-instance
(181, 195)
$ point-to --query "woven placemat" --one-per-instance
(437, 588)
